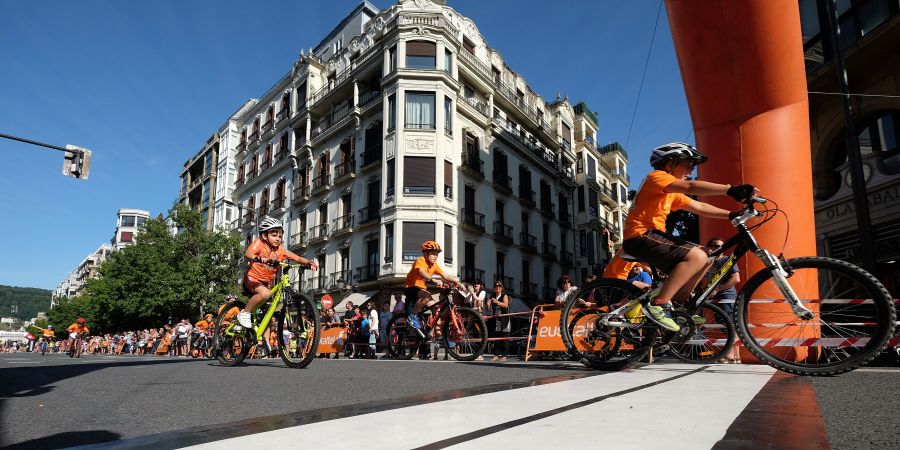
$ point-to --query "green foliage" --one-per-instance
(684, 224)
(29, 301)
(159, 277)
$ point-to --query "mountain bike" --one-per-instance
(299, 327)
(807, 315)
(201, 345)
(463, 331)
(76, 346)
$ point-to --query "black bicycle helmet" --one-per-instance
(675, 151)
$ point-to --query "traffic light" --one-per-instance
(77, 162)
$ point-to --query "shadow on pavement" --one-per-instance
(68, 439)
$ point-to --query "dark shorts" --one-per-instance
(661, 250)
(412, 296)
(250, 285)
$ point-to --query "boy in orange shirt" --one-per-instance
(666, 189)
(261, 253)
(417, 297)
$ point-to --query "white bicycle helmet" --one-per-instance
(269, 223)
(675, 151)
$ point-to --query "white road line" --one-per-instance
(703, 403)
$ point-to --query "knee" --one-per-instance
(696, 257)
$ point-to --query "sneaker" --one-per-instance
(698, 320)
(245, 319)
(662, 316)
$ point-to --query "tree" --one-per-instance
(162, 275)
(684, 224)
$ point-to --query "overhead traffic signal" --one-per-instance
(77, 162)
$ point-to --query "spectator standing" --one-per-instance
(725, 292)
(374, 327)
(500, 301)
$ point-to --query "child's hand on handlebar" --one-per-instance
(313, 265)
(742, 192)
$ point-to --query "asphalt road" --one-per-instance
(58, 402)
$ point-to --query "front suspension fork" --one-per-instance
(780, 275)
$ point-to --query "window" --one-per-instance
(141, 221)
(448, 115)
(421, 55)
(338, 45)
(392, 59)
(582, 242)
(301, 97)
(420, 110)
(128, 221)
(448, 179)
(388, 242)
(414, 234)
(592, 202)
(592, 168)
(566, 132)
(127, 236)
(448, 61)
(468, 45)
(580, 198)
(390, 178)
(392, 112)
(448, 244)
(418, 175)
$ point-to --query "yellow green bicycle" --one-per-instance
(298, 325)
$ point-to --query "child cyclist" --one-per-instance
(417, 297)
(666, 189)
(260, 274)
(76, 331)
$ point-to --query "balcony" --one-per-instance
(328, 122)
(470, 274)
(509, 284)
(268, 126)
(566, 145)
(565, 220)
(345, 171)
(299, 239)
(473, 165)
(528, 289)
(340, 279)
(278, 205)
(528, 144)
(370, 157)
(318, 233)
(301, 141)
(477, 104)
(239, 182)
(369, 97)
(509, 94)
(528, 241)
(366, 273)
(242, 146)
(548, 250)
(526, 197)
(318, 283)
(343, 224)
(547, 210)
(265, 166)
(283, 114)
(262, 211)
(249, 218)
(503, 232)
(620, 174)
(566, 257)
(300, 193)
(503, 183)
(369, 215)
(251, 174)
(254, 136)
(473, 219)
(330, 86)
(320, 183)
(476, 63)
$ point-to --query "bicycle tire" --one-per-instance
(705, 345)
(455, 344)
(403, 341)
(231, 350)
(611, 355)
(295, 351)
(855, 290)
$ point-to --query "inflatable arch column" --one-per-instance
(743, 71)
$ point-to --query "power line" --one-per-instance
(644, 74)
(855, 95)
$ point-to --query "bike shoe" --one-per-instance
(245, 319)
(662, 316)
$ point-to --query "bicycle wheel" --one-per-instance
(853, 317)
(403, 340)
(708, 342)
(299, 330)
(603, 347)
(464, 334)
(231, 346)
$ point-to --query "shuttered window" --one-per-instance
(414, 234)
(448, 179)
(566, 132)
(418, 175)
(448, 244)
(421, 55)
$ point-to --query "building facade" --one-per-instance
(198, 180)
(870, 39)
(128, 224)
(403, 125)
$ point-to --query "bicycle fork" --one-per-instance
(780, 275)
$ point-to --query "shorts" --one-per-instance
(73, 335)
(250, 284)
(412, 293)
(661, 250)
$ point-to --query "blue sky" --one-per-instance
(144, 84)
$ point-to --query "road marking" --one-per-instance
(569, 413)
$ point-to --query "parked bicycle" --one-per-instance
(299, 327)
(845, 318)
(463, 331)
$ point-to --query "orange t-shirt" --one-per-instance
(414, 279)
(618, 267)
(46, 332)
(202, 325)
(75, 328)
(264, 272)
(652, 205)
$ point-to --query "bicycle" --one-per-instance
(200, 346)
(76, 346)
(298, 336)
(846, 327)
(463, 330)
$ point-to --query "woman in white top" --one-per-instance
(476, 296)
(566, 289)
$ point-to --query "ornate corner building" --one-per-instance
(403, 125)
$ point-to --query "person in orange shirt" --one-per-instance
(417, 297)
(262, 253)
(47, 332)
(666, 189)
(205, 323)
(76, 330)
